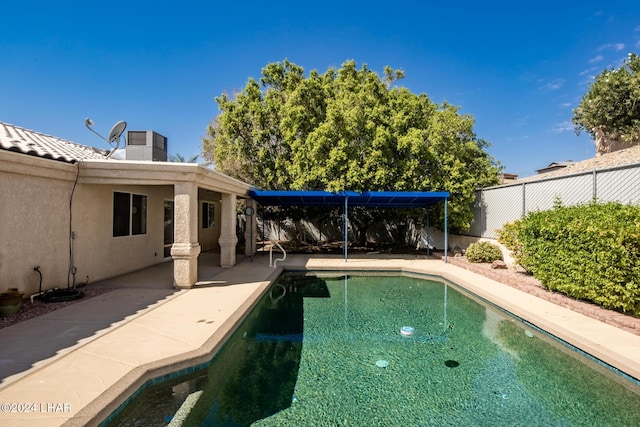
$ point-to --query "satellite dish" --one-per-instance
(114, 135)
(116, 131)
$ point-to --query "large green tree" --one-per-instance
(612, 103)
(348, 129)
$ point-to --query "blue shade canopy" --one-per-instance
(371, 199)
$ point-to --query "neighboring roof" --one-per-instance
(386, 199)
(555, 166)
(624, 157)
(21, 140)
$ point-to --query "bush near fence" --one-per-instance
(483, 252)
(589, 251)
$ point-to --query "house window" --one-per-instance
(208, 215)
(129, 214)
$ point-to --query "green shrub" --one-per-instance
(589, 252)
(508, 236)
(483, 252)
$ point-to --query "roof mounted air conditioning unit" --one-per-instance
(146, 145)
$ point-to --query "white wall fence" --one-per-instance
(498, 205)
(331, 231)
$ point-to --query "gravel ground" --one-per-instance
(37, 308)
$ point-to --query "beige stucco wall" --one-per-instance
(100, 255)
(34, 217)
(35, 231)
(34, 224)
(208, 237)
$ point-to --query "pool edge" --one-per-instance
(556, 320)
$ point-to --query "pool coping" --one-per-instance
(96, 412)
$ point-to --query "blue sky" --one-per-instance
(518, 69)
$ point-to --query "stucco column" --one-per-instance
(251, 230)
(228, 239)
(185, 249)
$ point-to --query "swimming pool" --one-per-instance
(330, 350)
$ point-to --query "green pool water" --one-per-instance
(327, 350)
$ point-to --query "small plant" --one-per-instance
(483, 252)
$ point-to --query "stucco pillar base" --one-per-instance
(185, 264)
(228, 250)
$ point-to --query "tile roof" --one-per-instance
(623, 157)
(15, 138)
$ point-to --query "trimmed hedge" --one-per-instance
(483, 252)
(590, 251)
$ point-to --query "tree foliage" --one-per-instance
(348, 129)
(612, 102)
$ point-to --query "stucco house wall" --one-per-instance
(100, 255)
(34, 222)
(208, 237)
(57, 212)
(35, 227)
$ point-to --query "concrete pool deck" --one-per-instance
(74, 366)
